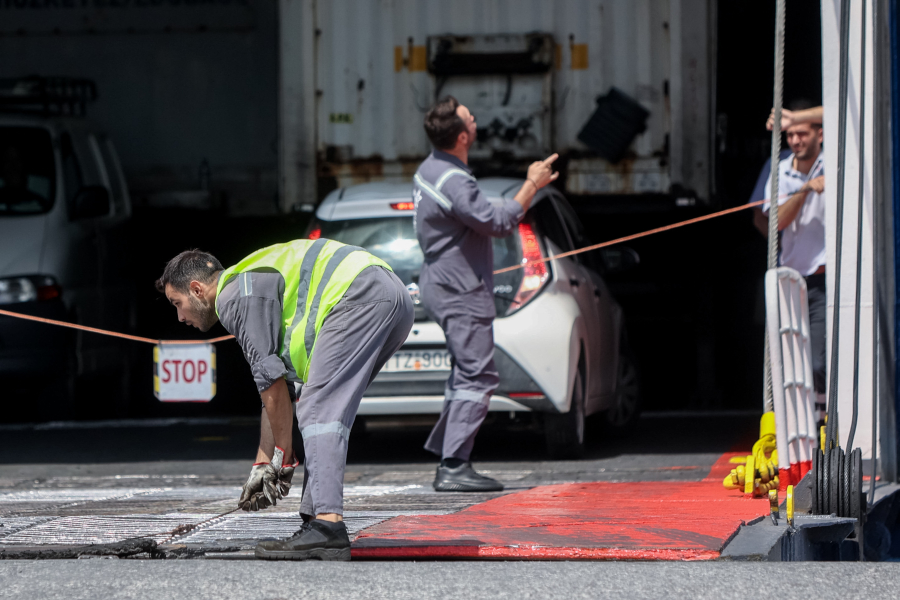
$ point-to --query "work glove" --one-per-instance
(277, 475)
(252, 496)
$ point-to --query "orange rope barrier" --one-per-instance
(124, 336)
(632, 237)
(635, 236)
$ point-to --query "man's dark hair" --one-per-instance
(190, 265)
(442, 124)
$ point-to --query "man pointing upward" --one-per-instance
(454, 225)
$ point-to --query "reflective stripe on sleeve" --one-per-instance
(245, 283)
(436, 195)
(448, 174)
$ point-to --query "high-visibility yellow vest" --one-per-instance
(316, 276)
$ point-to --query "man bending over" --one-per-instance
(317, 313)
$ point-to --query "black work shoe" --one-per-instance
(463, 479)
(316, 540)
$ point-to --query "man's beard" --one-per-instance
(810, 153)
(204, 313)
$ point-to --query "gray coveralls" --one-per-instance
(357, 338)
(454, 225)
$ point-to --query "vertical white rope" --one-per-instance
(777, 101)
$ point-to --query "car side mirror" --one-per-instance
(619, 260)
(91, 201)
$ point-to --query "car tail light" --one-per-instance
(535, 275)
(48, 292)
(403, 205)
(315, 233)
(14, 290)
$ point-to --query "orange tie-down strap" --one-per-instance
(124, 336)
(627, 238)
(635, 236)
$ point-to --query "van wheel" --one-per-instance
(564, 433)
(621, 419)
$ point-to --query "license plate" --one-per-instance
(407, 361)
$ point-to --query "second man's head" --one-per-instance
(450, 126)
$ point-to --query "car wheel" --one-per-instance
(564, 433)
(622, 418)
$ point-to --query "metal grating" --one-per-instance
(83, 530)
(353, 491)
(79, 530)
(75, 495)
(11, 525)
(245, 527)
(253, 527)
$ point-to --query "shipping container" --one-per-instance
(256, 106)
(186, 88)
(357, 76)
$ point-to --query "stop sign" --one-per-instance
(184, 372)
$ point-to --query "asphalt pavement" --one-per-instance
(98, 482)
(96, 579)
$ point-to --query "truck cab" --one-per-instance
(63, 198)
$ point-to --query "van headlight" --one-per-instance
(34, 288)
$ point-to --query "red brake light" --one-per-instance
(48, 292)
(315, 233)
(403, 205)
(526, 395)
(536, 274)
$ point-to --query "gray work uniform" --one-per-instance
(357, 338)
(454, 224)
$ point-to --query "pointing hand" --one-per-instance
(540, 172)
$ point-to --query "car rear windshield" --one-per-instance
(393, 240)
(27, 171)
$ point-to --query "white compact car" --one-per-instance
(559, 333)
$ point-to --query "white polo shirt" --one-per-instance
(803, 241)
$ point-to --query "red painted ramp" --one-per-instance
(636, 521)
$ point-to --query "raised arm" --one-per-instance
(540, 173)
(479, 214)
(795, 117)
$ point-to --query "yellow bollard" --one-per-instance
(773, 506)
(789, 505)
(749, 479)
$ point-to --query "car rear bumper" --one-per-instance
(422, 392)
(426, 405)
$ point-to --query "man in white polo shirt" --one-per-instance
(801, 221)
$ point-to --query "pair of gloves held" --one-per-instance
(268, 483)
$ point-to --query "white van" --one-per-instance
(62, 195)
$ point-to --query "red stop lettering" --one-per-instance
(187, 371)
(189, 363)
(176, 363)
